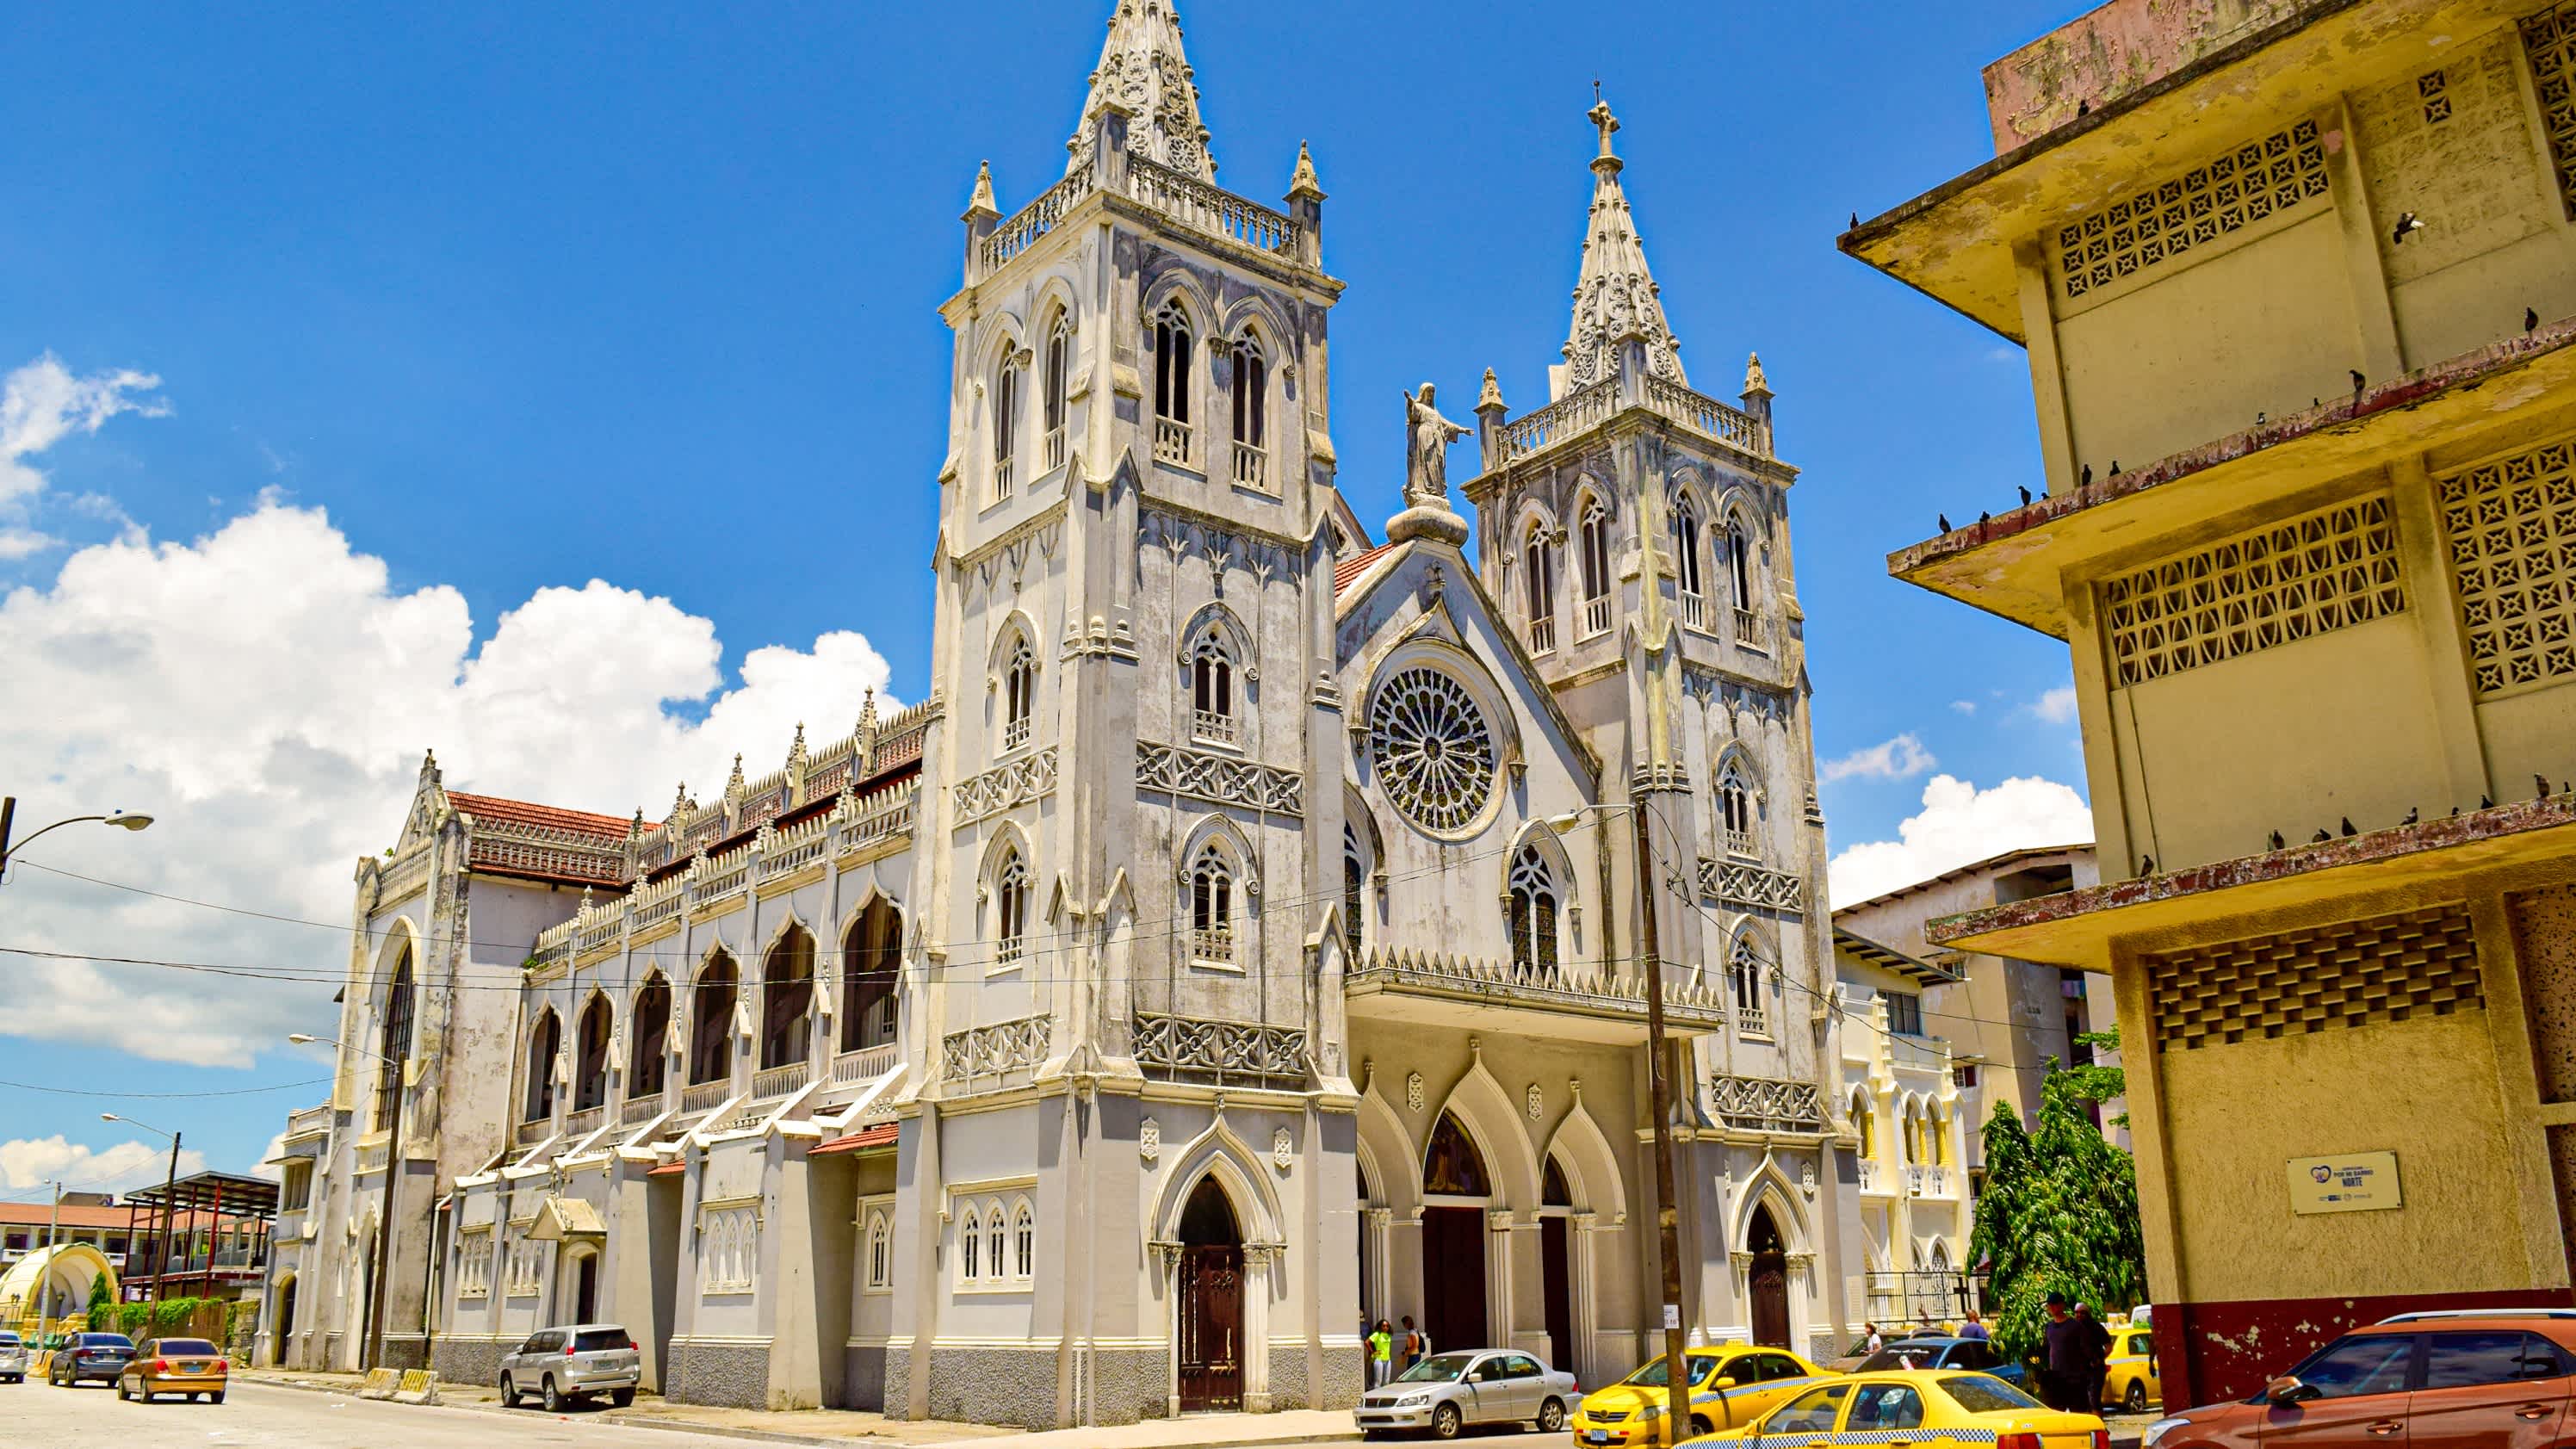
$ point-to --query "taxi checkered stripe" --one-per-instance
(1910, 1436)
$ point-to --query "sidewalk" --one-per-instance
(842, 1427)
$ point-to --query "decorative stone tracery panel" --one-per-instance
(1752, 887)
(992, 1050)
(1763, 1104)
(1193, 1047)
(2306, 576)
(2384, 968)
(1219, 778)
(1006, 786)
(1433, 749)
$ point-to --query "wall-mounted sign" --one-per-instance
(2352, 1182)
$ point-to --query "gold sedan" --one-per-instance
(188, 1367)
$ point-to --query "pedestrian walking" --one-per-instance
(1416, 1346)
(1975, 1327)
(1870, 1341)
(1381, 1347)
(2097, 1357)
(2062, 1358)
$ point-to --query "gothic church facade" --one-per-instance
(1240, 942)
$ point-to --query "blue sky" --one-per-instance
(405, 319)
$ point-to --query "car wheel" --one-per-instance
(620, 1398)
(1445, 1422)
(1701, 1428)
(2136, 1402)
(1551, 1416)
(509, 1393)
(216, 1397)
(120, 1391)
(554, 1400)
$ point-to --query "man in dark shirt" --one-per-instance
(2097, 1358)
(2063, 1364)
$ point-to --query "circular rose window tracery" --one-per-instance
(1434, 751)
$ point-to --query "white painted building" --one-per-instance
(1239, 943)
(1915, 1119)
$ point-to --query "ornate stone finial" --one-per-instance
(1427, 437)
(1755, 380)
(733, 783)
(1607, 124)
(635, 829)
(679, 805)
(1492, 395)
(796, 751)
(1305, 185)
(1144, 73)
(981, 204)
(868, 710)
(1615, 296)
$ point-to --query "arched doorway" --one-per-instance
(1767, 1281)
(1453, 1238)
(283, 1336)
(1556, 1262)
(585, 1288)
(1211, 1303)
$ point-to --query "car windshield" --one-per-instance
(1986, 1394)
(1658, 1374)
(191, 1347)
(593, 1340)
(1901, 1356)
(1440, 1368)
(105, 1340)
(9, 1340)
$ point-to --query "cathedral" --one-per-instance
(1009, 1059)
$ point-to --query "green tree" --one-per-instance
(100, 1305)
(2059, 1211)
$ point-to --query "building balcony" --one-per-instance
(1055, 447)
(1874, 1179)
(857, 1068)
(770, 1083)
(706, 1096)
(1001, 478)
(1176, 443)
(1750, 633)
(310, 1122)
(1211, 727)
(1216, 948)
(1596, 617)
(1927, 1180)
(1548, 1001)
(1694, 610)
(1542, 636)
(1251, 467)
(533, 1132)
(583, 1123)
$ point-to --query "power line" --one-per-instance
(164, 1096)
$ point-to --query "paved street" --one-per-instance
(34, 1416)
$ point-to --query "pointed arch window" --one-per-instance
(543, 1043)
(1451, 1165)
(1007, 387)
(1553, 1190)
(1019, 694)
(995, 1265)
(786, 1001)
(1024, 1242)
(590, 1056)
(1865, 1122)
(646, 1064)
(393, 1039)
(1212, 718)
(1010, 908)
(1686, 564)
(1057, 379)
(1354, 878)
(1594, 545)
(880, 1249)
(711, 1021)
(1212, 908)
(970, 1248)
(1538, 586)
(1735, 811)
(1746, 970)
(1174, 439)
(1251, 413)
(868, 999)
(1533, 904)
(1740, 564)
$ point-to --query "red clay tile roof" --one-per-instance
(75, 1215)
(520, 812)
(668, 1169)
(1348, 571)
(883, 1134)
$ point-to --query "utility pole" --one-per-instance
(169, 1217)
(375, 1348)
(1677, 1405)
(55, 1224)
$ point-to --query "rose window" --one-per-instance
(1434, 752)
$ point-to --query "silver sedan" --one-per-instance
(1448, 1391)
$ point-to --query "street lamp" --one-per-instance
(169, 1190)
(9, 812)
(1667, 1218)
(373, 1348)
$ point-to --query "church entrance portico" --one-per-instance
(1209, 1345)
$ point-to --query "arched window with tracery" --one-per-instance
(646, 1062)
(994, 1263)
(1212, 716)
(880, 1249)
(393, 1038)
(1746, 972)
(787, 1000)
(1006, 424)
(543, 1043)
(1251, 413)
(1024, 1242)
(1735, 811)
(1532, 896)
(1686, 569)
(1174, 439)
(1019, 694)
(970, 1248)
(1865, 1123)
(1212, 907)
(590, 1056)
(1057, 379)
(1739, 576)
(1451, 1165)
(1010, 908)
(711, 1021)
(1538, 586)
(1594, 546)
(868, 958)
(1354, 882)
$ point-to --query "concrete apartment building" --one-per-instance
(2298, 283)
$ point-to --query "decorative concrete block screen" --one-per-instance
(2513, 547)
(2311, 575)
(2383, 968)
(2256, 180)
(2550, 38)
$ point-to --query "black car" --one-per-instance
(89, 1357)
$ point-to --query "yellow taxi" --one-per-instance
(1922, 1408)
(2132, 1383)
(1730, 1387)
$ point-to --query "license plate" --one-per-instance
(1598, 1437)
(192, 1368)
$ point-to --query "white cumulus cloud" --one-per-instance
(2057, 706)
(1960, 825)
(267, 693)
(41, 404)
(1901, 758)
(41, 1161)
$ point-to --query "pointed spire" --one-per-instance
(1755, 380)
(1305, 185)
(733, 786)
(1144, 72)
(982, 202)
(1492, 396)
(1615, 297)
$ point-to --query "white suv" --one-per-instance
(569, 1364)
(13, 1357)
